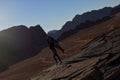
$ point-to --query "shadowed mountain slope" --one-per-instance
(19, 42)
(98, 60)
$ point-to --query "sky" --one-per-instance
(50, 14)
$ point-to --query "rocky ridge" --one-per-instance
(98, 60)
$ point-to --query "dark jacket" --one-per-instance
(52, 42)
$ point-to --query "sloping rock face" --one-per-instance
(98, 60)
(19, 42)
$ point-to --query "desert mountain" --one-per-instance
(19, 42)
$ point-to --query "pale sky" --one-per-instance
(50, 14)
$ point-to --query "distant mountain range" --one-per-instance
(19, 42)
(92, 16)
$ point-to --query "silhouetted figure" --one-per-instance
(53, 44)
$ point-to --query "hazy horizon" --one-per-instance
(51, 15)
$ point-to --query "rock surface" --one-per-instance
(98, 60)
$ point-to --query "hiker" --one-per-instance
(53, 44)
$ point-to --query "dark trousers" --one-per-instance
(55, 55)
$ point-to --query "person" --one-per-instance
(53, 44)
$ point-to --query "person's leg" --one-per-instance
(58, 58)
(60, 48)
(54, 54)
